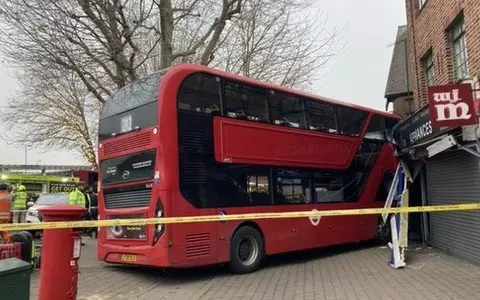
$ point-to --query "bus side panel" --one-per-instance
(287, 235)
(256, 143)
(278, 234)
(192, 244)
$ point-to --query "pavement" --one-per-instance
(347, 272)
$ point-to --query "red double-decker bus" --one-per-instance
(192, 141)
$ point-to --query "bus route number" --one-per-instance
(126, 123)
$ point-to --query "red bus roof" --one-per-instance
(199, 68)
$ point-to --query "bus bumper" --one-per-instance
(145, 255)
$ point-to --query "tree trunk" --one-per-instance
(166, 29)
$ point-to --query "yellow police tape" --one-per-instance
(237, 217)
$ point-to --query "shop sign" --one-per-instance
(451, 105)
(416, 129)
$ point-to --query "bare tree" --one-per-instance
(277, 41)
(54, 114)
(103, 42)
(106, 44)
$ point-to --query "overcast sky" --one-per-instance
(358, 75)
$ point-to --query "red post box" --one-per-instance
(60, 254)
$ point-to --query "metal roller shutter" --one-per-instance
(454, 178)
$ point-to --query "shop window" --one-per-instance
(200, 93)
(321, 116)
(245, 102)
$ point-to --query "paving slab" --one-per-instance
(347, 272)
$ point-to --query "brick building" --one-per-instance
(441, 45)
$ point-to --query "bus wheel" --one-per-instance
(247, 250)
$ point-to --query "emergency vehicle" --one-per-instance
(39, 184)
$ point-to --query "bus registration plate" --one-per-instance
(128, 258)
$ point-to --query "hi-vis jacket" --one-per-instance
(76, 197)
(20, 198)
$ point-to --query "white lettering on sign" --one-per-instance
(421, 132)
(111, 170)
(142, 164)
(76, 248)
(449, 106)
(62, 188)
(126, 123)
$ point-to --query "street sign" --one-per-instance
(62, 187)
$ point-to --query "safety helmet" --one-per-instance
(21, 188)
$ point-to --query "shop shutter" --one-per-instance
(454, 178)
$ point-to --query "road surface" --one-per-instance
(349, 272)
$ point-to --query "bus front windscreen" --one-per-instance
(129, 168)
(132, 107)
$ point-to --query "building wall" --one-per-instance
(429, 29)
(403, 106)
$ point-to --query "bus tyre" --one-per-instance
(247, 250)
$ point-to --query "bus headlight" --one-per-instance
(159, 228)
(117, 231)
(159, 215)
